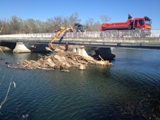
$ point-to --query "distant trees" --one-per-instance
(105, 19)
(92, 25)
(16, 25)
(1, 27)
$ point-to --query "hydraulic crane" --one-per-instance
(62, 32)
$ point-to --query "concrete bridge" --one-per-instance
(39, 41)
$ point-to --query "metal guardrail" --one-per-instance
(122, 38)
(95, 34)
(155, 33)
(114, 34)
(35, 35)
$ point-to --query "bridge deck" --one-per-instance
(89, 39)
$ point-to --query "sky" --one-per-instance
(116, 10)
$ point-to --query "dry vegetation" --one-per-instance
(16, 25)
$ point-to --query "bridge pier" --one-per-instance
(80, 50)
(104, 53)
(21, 48)
(100, 53)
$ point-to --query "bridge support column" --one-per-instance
(21, 48)
(74, 49)
(82, 51)
(100, 53)
(104, 53)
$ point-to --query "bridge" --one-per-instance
(107, 39)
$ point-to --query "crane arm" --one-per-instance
(61, 32)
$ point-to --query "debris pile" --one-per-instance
(61, 61)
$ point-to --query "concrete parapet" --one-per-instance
(21, 48)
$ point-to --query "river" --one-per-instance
(128, 90)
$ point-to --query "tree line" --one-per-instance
(16, 25)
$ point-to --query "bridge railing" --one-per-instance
(114, 34)
(35, 35)
(95, 34)
(155, 33)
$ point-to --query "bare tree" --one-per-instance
(31, 25)
(58, 20)
(1, 27)
(74, 19)
(50, 25)
(41, 26)
(96, 26)
(66, 21)
(6, 26)
(89, 23)
(105, 19)
(15, 24)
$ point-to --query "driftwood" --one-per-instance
(60, 60)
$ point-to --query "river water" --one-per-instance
(128, 90)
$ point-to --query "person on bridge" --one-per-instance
(66, 46)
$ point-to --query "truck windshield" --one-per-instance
(141, 22)
(149, 22)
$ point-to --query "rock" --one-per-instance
(50, 62)
(48, 49)
(107, 63)
(82, 67)
(4, 48)
(65, 70)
